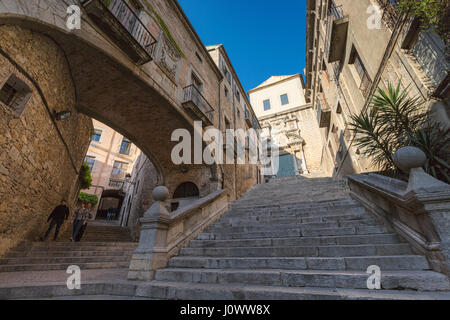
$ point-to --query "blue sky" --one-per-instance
(262, 37)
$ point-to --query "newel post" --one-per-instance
(151, 253)
(430, 199)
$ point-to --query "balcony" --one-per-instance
(121, 23)
(390, 14)
(430, 54)
(248, 119)
(323, 113)
(197, 106)
(336, 38)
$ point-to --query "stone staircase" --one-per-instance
(104, 246)
(293, 238)
(296, 238)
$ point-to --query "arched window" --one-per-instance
(186, 190)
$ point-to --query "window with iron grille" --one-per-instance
(119, 169)
(15, 94)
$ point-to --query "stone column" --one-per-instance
(152, 252)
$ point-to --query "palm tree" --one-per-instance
(394, 120)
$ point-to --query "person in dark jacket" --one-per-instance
(57, 217)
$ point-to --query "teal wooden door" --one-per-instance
(286, 166)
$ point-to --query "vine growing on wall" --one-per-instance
(163, 27)
(432, 14)
(85, 177)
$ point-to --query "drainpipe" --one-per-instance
(234, 127)
(220, 126)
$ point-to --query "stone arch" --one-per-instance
(109, 89)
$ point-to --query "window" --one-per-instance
(186, 190)
(198, 57)
(228, 75)
(90, 161)
(226, 92)
(119, 169)
(196, 82)
(284, 99)
(266, 105)
(125, 148)
(366, 82)
(238, 96)
(239, 113)
(97, 135)
(359, 66)
(15, 94)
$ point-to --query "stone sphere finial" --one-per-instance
(160, 193)
(407, 158)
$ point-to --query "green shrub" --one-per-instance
(88, 198)
(394, 120)
(85, 177)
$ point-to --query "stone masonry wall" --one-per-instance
(36, 169)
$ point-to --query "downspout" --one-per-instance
(220, 126)
(234, 144)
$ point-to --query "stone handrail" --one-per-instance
(418, 210)
(163, 234)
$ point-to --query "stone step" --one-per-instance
(299, 205)
(390, 280)
(90, 247)
(51, 290)
(64, 266)
(223, 228)
(58, 260)
(303, 213)
(296, 251)
(237, 221)
(78, 244)
(101, 238)
(74, 253)
(295, 232)
(399, 262)
(336, 240)
(201, 291)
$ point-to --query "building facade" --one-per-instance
(234, 112)
(137, 66)
(288, 123)
(111, 158)
(355, 47)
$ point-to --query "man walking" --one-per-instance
(57, 217)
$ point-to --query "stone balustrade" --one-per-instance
(164, 233)
(418, 210)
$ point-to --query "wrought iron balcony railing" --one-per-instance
(248, 118)
(336, 34)
(323, 112)
(429, 51)
(121, 23)
(197, 105)
(337, 12)
(390, 12)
